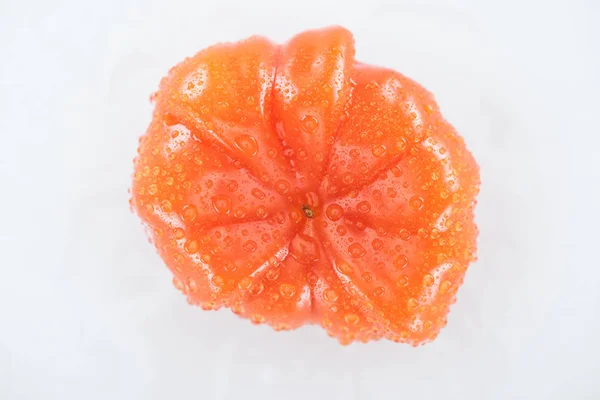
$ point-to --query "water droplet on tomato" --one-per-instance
(259, 194)
(309, 124)
(404, 234)
(330, 295)
(367, 277)
(334, 212)
(273, 274)
(402, 281)
(445, 286)
(256, 288)
(379, 150)
(377, 244)
(282, 186)
(189, 213)
(364, 207)
(166, 206)
(379, 291)
(401, 261)
(191, 246)
(287, 290)
(416, 203)
(250, 246)
(351, 318)
(356, 250)
(247, 144)
(222, 203)
(412, 304)
(428, 280)
(218, 281)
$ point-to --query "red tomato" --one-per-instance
(296, 186)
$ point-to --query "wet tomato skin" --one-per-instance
(296, 186)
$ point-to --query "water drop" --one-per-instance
(287, 290)
(416, 203)
(377, 244)
(273, 274)
(367, 277)
(404, 234)
(259, 194)
(166, 205)
(282, 186)
(445, 286)
(412, 304)
(428, 280)
(364, 207)
(189, 213)
(351, 318)
(309, 124)
(222, 203)
(356, 250)
(379, 150)
(247, 144)
(330, 295)
(402, 281)
(379, 291)
(344, 268)
(218, 281)
(256, 288)
(334, 212)
(304, 249)
(191, 246)
(250, 246)
(401, 261)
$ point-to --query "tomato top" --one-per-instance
(296, 185)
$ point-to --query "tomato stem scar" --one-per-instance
(308, 211)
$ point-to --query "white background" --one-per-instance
(87, 309)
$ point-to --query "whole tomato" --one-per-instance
(295, 186)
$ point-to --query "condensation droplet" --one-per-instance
(191, 246)
(351, 318)
(166, 206)
(377, 244)
(287, 290)
(282, 186)
(412, 304)
(401, 261)
(356, 250)
(222, 203)
(334, 212)
(367, 277)
(309, 124)
(428, 280)
(402, 281)
(404, 234)
(250, 246)
(416, 203)
(330, 295)
(247, 144)
(364, 207)
(259, 194)
(189, 213)
(218, 281)
(379, 150)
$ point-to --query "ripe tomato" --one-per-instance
(295, 185)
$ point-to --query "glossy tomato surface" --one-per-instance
(296, 185)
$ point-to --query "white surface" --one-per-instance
(87, 310)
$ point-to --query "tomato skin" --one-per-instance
(297, 186)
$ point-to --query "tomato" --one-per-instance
(297, 186)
